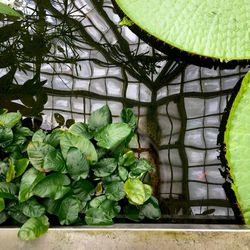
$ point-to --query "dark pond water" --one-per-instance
(71, 57)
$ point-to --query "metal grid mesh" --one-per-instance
(93, 61)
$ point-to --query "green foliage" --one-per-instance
(6, 10)
(236, 140)
(84, 174)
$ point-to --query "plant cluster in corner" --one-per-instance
(85, 174)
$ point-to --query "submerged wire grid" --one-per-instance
(88, 60)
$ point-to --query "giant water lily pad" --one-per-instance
(237, 138)
(211, 28)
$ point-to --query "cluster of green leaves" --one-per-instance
(84, 174)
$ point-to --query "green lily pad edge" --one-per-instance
(236, 139)
(210, 29)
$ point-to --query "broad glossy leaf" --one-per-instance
(53, 161)
(151, 209)
(37, 152)
(135, 192)
(6, 136)
(140, 166)
(10, 175)
(123, 173)
(54, 137)
(31, 208)
(112, 178)
(33, 228)
(39, 136)
(76, 163)
(10, 119)
(29, 180)
(111, 208)
(2, 204)
(69, 210)
(52, 206)
(104, 167)
(53, 186)
(7, 10)
(113, 135)
(127, 159)
(148, 191)
(69, 140)
(83, 189)
(100, 118)
(20, 166)
(128, 117)
(8, 190)
(115, 191)
(97, 216)
(80, 128)
(97, 201)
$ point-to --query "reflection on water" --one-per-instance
(71, 57)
